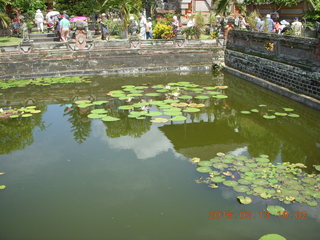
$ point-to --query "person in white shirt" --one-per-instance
(39, 19)
(143, 26)
(297, 27)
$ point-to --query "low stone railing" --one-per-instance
(287, 61)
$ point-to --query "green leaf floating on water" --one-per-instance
(269, 116)
(26, 115)
(178, 119)
(272, 237)
(191, 110)
(154, 114)
(159, 120)
(126, 107)
(317, 167)
(218, 179)
(99, 102)
(254, 110)
(288, 109)
(201, 97)
(171, 101)
(241, 188)
(230, 183)
(293, 115)
(96, 116)
(204, 169)
(85, 105)
(152, 94)
(2, 187)
(172, 113)
(262, 105)
(244, 199)
(185, 97)
(245, 112)
(110, 119)
(205, 163)
(99, 111)
(275, 210)
(14, 116)
(220, 96)
(281, 114)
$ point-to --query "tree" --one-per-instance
(125, 8)
(4, 19)
(29, 6)
(222, 5)
(78, 7)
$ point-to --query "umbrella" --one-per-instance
(52, 13)
(78, 18)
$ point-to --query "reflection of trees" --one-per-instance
(127, 126)
(81, 126)
(16, 134)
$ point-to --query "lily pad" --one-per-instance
(254, 110)
(2, 187)
(269, 116)
(26, 115)
(317, 167)
(152, 94)
(96, 116)
(288, 109)
(205, 163)
(99, 102)
(241, 188)
(126, 107)
(201, 97)
(230, 183)
(154, 114)
(159, 120)
(262, 105)
(244, 199)
(275, 210)
(110, 119)
(185, 97)
(245, 112)
(220, 96)
(293, 115)
(204, 169)
(272, 237)
(14, 116)
(178, 119)
(218, 179)
(281, 114)
(99, 111)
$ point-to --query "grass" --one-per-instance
(7, 41)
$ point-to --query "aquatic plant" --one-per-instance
(257, 176)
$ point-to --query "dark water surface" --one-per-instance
(73, 178)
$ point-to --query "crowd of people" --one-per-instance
(60, 24)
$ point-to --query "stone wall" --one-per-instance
(108, 57)
(289, 62)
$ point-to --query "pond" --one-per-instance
(68, 176)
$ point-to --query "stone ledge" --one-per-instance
(132, 70)
(306, 100)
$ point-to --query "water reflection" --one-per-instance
(219, 127)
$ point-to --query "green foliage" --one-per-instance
(162, 31)
(77, 7)
(29, 6)
(251, 20)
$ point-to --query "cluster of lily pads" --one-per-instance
(23, 112)
(41, 81)
(285, 182)
(172, 101)
(272, 114)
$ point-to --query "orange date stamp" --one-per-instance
(256, 215)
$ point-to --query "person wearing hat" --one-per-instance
(296, 27)
(285, 26)
(149, 28)
(39, 19)
(133, 26)
(104, 26)
(143, 26)
(66, 15)
(270, 23)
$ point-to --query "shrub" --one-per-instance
(162, 31)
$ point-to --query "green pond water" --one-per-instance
(71, 177)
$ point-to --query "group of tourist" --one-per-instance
(273, 24)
